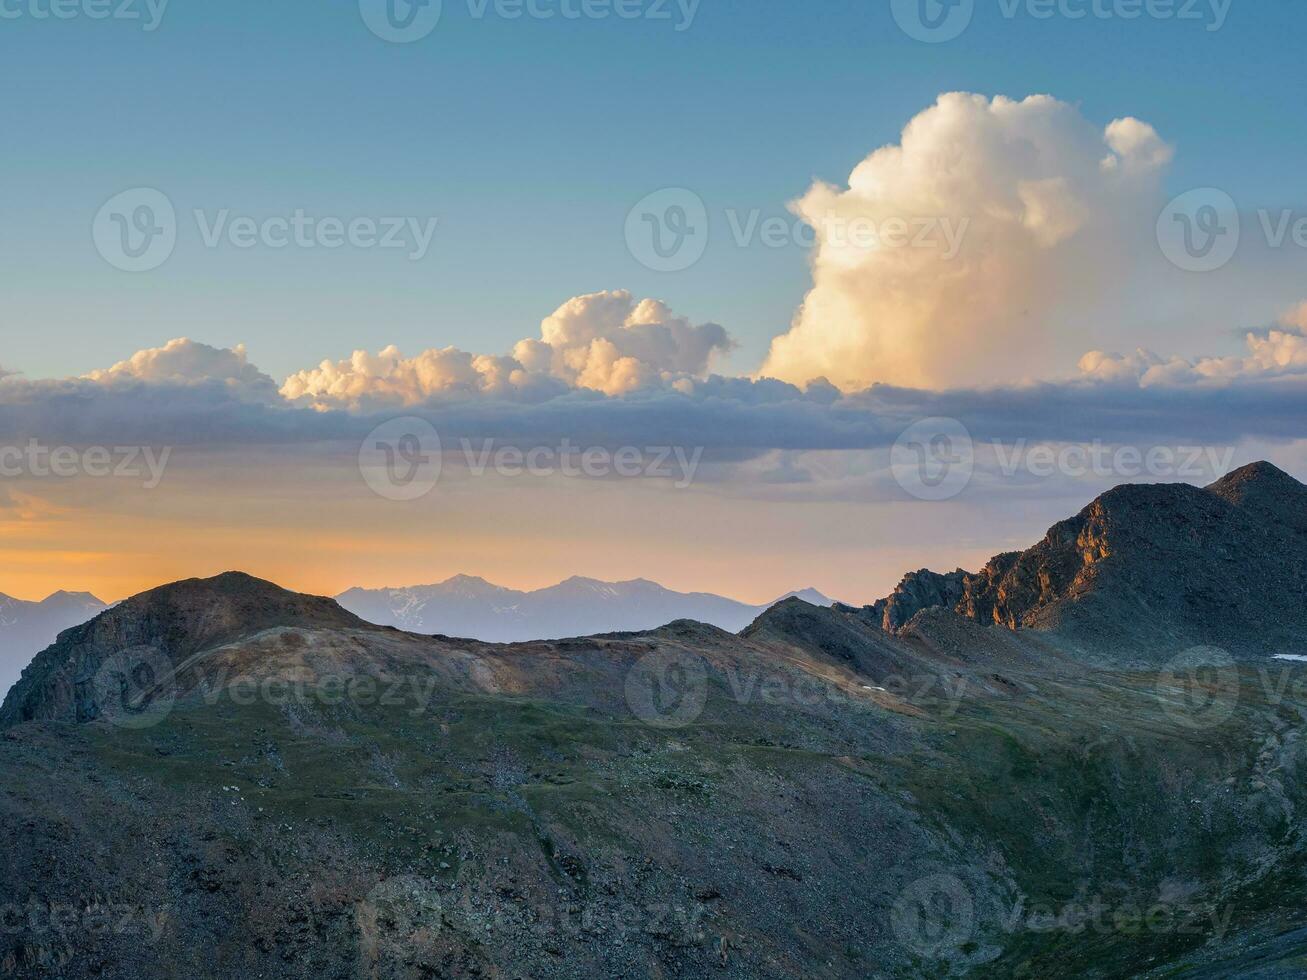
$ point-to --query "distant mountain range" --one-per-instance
(27, 628)
(470, 607)
(463, 606)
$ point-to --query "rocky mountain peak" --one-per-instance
(1267, 490)
(1257, 475)
(918, 590)
(1146, 566)
(175, 621)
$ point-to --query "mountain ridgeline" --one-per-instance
(943, 783)
(1144, 571)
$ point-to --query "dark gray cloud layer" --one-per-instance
(730, 417)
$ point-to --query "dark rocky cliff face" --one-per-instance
(919, 590)
(1148, 568)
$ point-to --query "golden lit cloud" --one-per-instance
(963, 254)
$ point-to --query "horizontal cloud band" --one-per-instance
(730, 416)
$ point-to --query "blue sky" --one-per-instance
(530, 140)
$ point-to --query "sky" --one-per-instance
(519, 162)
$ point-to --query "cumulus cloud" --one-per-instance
(610, 343)
(185, 362)
(973, 251)
(734, 419)
(1275, 353)
(371, 381)
(605, 342)
(1296, 318)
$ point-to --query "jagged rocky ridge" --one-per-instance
(1145, 570)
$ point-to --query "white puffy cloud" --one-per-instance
(608, 342)
(733, 419)
(975, 250)
(365, 381)
(1274, 353)
(605, 342)
(186, 362)
(1296, 318)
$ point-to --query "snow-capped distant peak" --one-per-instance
(471, 607)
